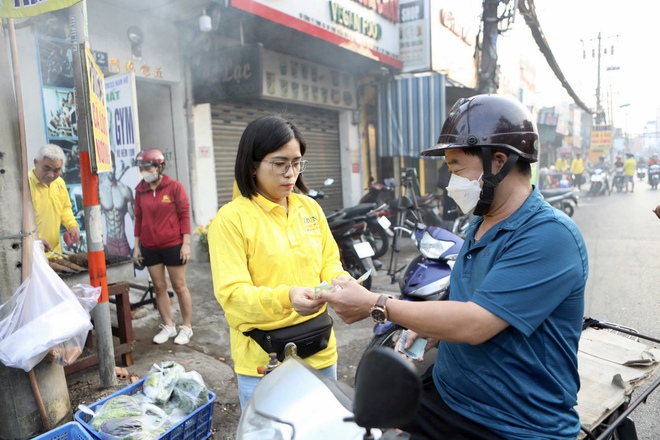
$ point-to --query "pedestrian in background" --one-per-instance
(577, 169)
(50, 199)
(629, 167)
(270, 248)
(162, 241)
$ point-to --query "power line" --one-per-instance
(528, 11)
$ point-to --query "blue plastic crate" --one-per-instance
(197, 426)
(68, 431)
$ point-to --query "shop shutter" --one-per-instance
(319, 126)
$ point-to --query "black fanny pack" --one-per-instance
(310, 337)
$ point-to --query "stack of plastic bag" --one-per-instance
(168, 395)
(42, 313)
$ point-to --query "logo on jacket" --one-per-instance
(166, 199)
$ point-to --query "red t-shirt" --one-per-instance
(162, 215)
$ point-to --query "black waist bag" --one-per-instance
(310, 337)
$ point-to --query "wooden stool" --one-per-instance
(123, 330)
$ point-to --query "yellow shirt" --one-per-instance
(258, 253)
(561, 165)
(629, 167)
(52, 208)
(577, 166)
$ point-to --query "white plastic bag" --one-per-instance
(42, 313)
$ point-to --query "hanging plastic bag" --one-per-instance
(66, 353)
(42, 313)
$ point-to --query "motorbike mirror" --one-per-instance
(387, 390)
(329, 181)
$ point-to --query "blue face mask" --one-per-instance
(464, 191)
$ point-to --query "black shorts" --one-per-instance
(169, 257)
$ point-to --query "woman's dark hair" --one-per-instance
(261, 137)
(523, 167)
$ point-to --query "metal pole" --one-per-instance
(90, 186)
(487, 78)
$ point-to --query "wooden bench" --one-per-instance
(123, 330)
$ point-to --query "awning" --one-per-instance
(411, 110)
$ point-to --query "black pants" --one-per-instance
(437, 421)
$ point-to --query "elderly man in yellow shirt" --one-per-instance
(50, 198)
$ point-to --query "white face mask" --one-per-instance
(465, 192)
(149, 177)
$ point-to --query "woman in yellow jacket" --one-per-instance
(270, 247)
(577, 168)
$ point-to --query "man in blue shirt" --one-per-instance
(509, 333)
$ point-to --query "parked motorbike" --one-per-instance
(617, 180)
(380, 192)
(377, 229)
(600, 184)
(355, 252)
(563, 199)
(654, 176)
(426, 278)
(295, 401)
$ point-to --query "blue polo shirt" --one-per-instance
(530, 270)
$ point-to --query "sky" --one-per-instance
(631, 28)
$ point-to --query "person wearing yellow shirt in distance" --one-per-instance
(50, 199)
(577, 169)
(270, 248)
(629, 167)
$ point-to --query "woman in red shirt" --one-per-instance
(162, 240)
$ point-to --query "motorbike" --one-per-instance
(600, 184)
(425, 278)
(380, 192)
(563, 199)
(355, 252)
(295, 401)
(617, 180)
(377, 229)
(641, 173)
(654, 176)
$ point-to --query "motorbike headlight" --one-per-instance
(432, 248)
(254, 426)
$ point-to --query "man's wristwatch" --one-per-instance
(379, 312)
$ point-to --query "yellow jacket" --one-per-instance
(257, 254)
(52, 208)
(577, 166)
(561, 165)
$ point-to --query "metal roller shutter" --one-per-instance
(319, 126)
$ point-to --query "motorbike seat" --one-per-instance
(358, 210)
(554, 192)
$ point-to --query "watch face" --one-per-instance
(378, 315)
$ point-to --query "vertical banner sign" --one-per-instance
(117, 187)
(94, 82)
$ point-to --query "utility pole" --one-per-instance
(487, 78)
(600, 113)
(26, 405)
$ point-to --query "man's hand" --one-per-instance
(430, 343)
(47, 246)
(351, 301)
(656, 211)
(303, 302)
(185, 253)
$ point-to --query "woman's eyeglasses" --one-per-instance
(281, 167)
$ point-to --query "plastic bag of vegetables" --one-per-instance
(161, 380)
(116, 407)
(149, 426)
(189, 394)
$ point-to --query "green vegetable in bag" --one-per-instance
(161, 380)
(116, 407)
(188, 395)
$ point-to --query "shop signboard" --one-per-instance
(229, 73)
(369, 28)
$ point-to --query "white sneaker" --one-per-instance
(167, 332)
(185, 333)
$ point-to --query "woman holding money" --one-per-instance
(270, 248)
